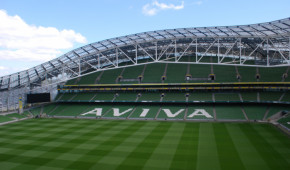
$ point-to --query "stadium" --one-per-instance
(186, 98)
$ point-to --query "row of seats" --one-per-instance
(182, 73)
(174, 96)
(208, 112)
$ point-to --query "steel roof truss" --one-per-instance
(85, 62)
(77, 74)
(258, 45)
(273, 45)
(108, 59)
(228, 50)
(185, 50)
(71, 60)
(126, 55)
(89, 64)
(162, 52)
(146, 52)
(206, 50)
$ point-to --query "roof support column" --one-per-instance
(175, 51)
(136, 54)
(218, 51)
(240, 47)
(79, 63)
(99, 66)
(156, 52)
(268, 52)
(289, 50)
(117, 58)
(61, 73)
(196, 60)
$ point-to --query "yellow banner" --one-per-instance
(20, 102)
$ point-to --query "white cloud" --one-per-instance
(8, 70)
(24, 42)
(2, 68)
(154, 7)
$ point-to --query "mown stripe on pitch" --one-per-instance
(276, 136)
(67, 147)
(15, 145)
(228, 155)
(185, 156)
(107, 146)
(48, 156)
(165, 151)
(56, 137)
(207, 157)
(138, 157)
(129, 145)
(279, 140)
(99, 132)
(273, 159)
(248, 153)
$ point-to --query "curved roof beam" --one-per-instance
(278, 31)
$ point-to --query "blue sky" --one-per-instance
(34, 31)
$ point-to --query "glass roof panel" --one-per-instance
(268, 32)
(281, 25)
(259, 28)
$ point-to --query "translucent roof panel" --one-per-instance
(278, 31)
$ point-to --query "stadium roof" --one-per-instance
(263, 41)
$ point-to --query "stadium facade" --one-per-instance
(256, 45)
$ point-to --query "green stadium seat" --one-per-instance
(200, 96)
(272, 74)
(229, 113)
(69, 109)
(286, 97)
(174, 76)
(89, 79)
(96, 110)
(84, 96)
(145, 112)
(172, 112)
(153, 73)
(270, 96)
(204, 112)
(227, 97)
(110, 76)
(200, 73)
(225, 73)
(106, 96)
(119, 111)
(35, 111)
(255, 112)
(174, 97)
(48, 108)
(248, 74)
(149, 96)
(249, 96)
(67, 96)
(132, 72)
(126, 96)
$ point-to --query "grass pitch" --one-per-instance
(113, 144)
